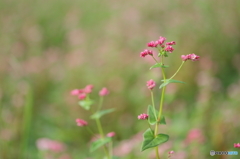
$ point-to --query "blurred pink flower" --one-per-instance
(111, 134)
(171, 43)
(143, 116)
(151, 84)
(76, 91)
(237, 145)
(82, 96)
(195, 135)
(104, 91)
(171, 152)
(47, 144)
(81, 122)
(88, 88)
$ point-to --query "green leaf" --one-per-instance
(98, 143)
(152, 141)
(167, 81)
(99, 114)
(152, 117)
(162, 120)
(86, 104)
(159, 65)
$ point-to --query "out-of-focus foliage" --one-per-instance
(48, 48)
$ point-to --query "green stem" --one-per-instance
(153, 105)
(154, 59)
(100, 103)
(177, 70)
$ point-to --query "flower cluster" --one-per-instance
(151, 84)
(81, 122)
(237, 145)
(192, 57)
(160, 42)
(82, 93)
(51, 145)
(143, 116)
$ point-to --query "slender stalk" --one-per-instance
(160, 108)
(154, 59)
(178, 70)
(153, 104)
(100, 129)
(100, 103)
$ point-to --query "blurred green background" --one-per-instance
(48, 48)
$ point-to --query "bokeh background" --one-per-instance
(48, 48)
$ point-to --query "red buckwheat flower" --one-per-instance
(152, 44)
(146, 52)
(169, 49)
(151, 84)
(81, 122)
(111, 134)
(192, 57)
(171, 43)
(88, 88)
(143, 116)
(104, 91)
(161, 40)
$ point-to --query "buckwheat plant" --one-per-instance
(151, 137)
(103, 140)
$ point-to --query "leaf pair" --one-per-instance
(159, 65)
(150, 140)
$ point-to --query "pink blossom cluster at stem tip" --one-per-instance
(237, 145)
(143, 116)
(82, 93)
(160, 42)
(192, 57)
(151, 84)
(104, 91)
(81, 122)
(111, 134)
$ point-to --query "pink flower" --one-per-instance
(171, 43)
(143, 116)
(169, 49)
(161, 40)
(237, 145)
(171, 152)
(104, 91)
(151, 84)
(82, 96)
(88, 88)
(152, 44)
(111, 134)
(192, 57)
(146, 52)
(47, 144)
(76, 91)
(195, 135)
(81, 122)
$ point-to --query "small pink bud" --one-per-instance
(81, 122)
(88, 88)
(111, 134)
(171, 43)
(171, 152)
(151, 84)
(82, 96)
(169, 49)
(75, 92)
(104, 91)
(194, 57)
(184, 57)
(161, 40)
(143, 116)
